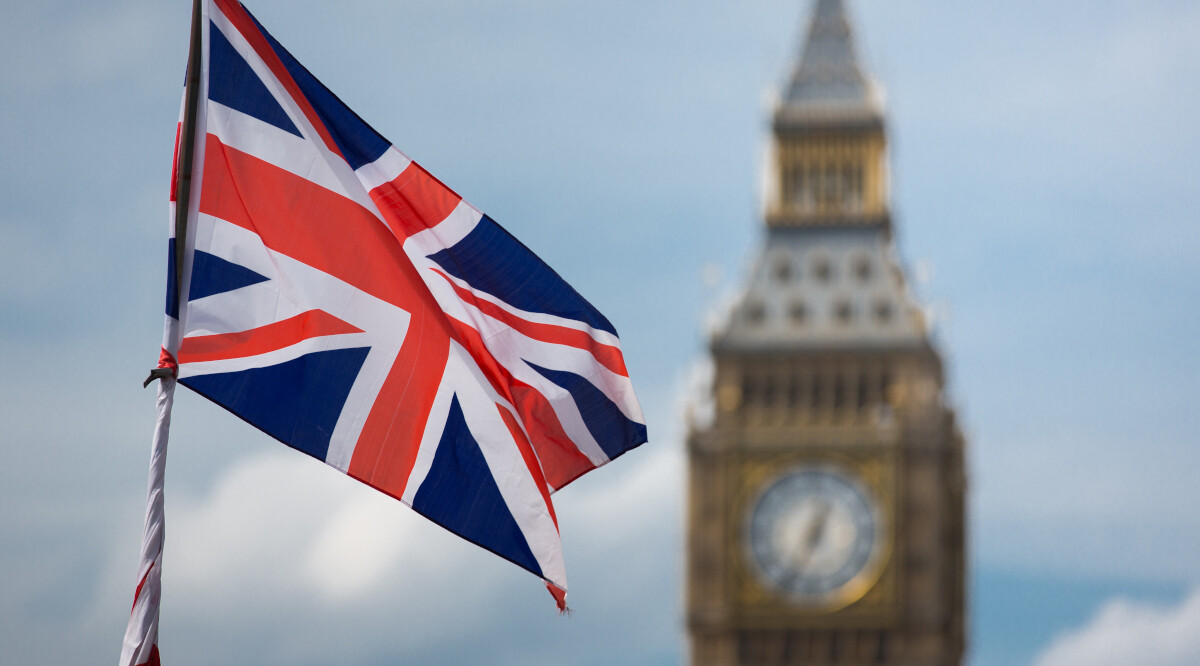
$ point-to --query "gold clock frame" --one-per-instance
(874, 587)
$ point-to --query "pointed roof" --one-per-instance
(828, 78)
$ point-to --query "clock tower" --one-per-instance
(825, 507)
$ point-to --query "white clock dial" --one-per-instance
(813, 533)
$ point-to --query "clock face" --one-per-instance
(816, 536)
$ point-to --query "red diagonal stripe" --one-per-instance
(311, 324)
(414, 201)
(531, 461)
(153, 659)
(241, 20)
(560, 459)
(138, 592)
(175, 160)
(607, 355)
(308, 223)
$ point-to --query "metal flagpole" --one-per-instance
(140, 647)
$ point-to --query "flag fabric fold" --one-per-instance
(340, 298)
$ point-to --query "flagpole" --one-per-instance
(140, 647)
(187, 144)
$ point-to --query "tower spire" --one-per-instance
(828, 78)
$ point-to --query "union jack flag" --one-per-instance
(344, 301)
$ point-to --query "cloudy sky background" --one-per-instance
(1045, 168)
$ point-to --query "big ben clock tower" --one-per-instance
(825, 512)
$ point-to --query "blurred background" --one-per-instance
(1044, 161)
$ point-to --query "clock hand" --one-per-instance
(812, 537)
(803, 548)
(802, 552)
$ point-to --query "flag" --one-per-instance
(334, 294)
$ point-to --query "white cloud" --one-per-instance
(285, 557)
(279, 521)
(358, 547)
(1127, 632)
(279, 526)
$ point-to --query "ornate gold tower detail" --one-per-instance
(825, 503)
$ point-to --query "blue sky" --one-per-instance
(1044, 163)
